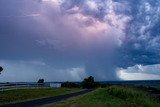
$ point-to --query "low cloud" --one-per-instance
(29, 71)
(140, 72)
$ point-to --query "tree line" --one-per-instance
(88, 83)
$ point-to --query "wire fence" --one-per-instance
(7, 87)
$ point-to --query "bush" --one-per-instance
(40, 81)
(70, 85)
(1, 69)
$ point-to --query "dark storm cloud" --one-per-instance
(78, 37)
(142, 33)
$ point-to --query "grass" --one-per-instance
(29, 94)
(115, 96)
(134, 96)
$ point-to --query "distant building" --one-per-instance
(55, 85)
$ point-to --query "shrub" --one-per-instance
(1, 69)
(40, 81)
(70, 85)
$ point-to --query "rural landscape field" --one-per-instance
(79, 53)
(113, 94)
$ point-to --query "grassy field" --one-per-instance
(29, 94)
(115, 96)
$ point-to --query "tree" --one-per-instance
(1, 69)
(70, 85)
(88, 82)
(40, 81)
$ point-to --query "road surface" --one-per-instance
(43, 101)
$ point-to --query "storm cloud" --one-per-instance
(61, 40)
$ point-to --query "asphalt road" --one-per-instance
(43, 101)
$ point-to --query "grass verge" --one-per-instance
(30, 94)
(115, 96)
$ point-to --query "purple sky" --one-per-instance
(61, 40)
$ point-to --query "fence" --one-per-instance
(6, 87)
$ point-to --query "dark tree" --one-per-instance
(40, 81)
(1, 69)
(70, 85)
(88, 82)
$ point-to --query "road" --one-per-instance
(43, 101)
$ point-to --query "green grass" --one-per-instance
(115, 96)
(134, 96)
(35, 93)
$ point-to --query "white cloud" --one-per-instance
(73, 10)
(77, 73)
(138, 76)
(140, 72)
(147, 7)
(57, 2)
(92, 5)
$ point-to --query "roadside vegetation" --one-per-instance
(87, 83)
(30, 94)
(114, 96)
(70, 85)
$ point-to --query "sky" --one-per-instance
(68, 40)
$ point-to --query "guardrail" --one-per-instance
(6, 87)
